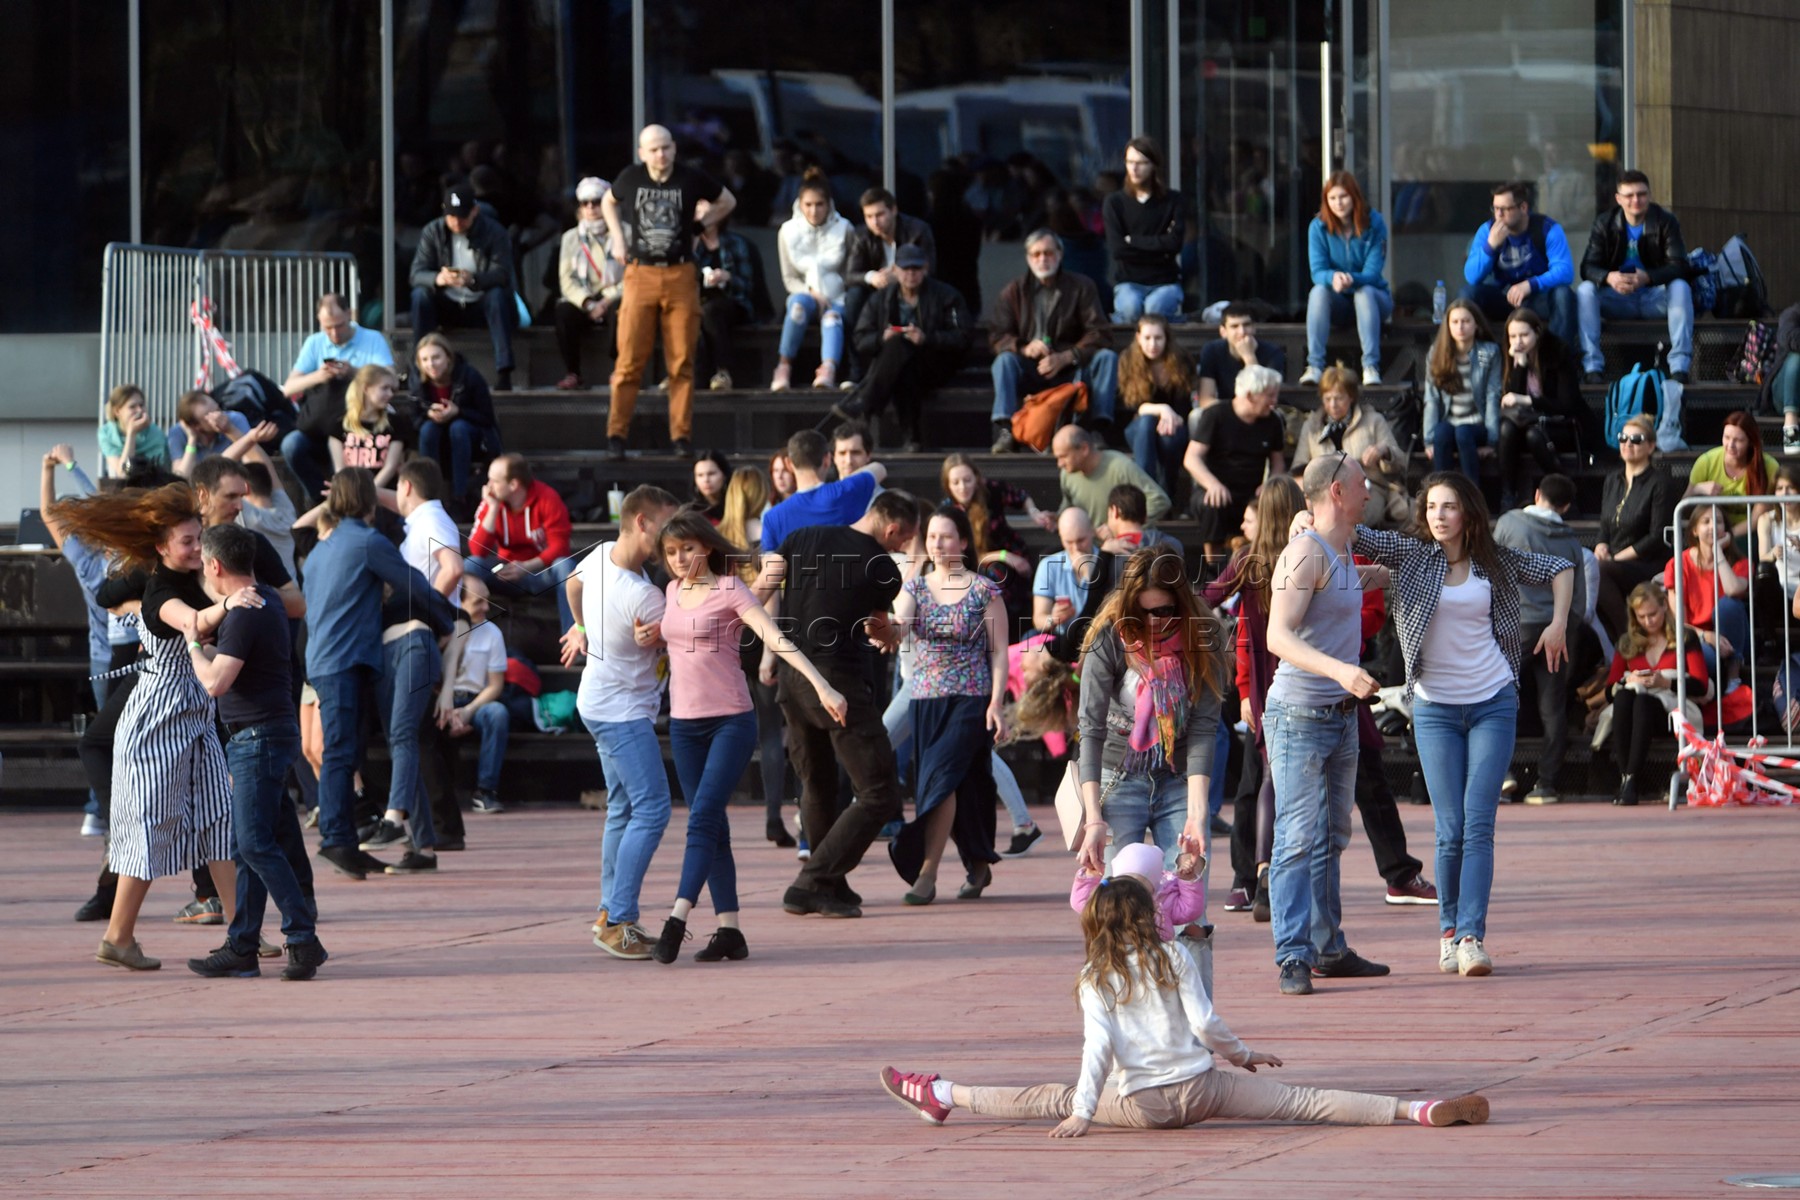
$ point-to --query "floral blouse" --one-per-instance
(950, 655)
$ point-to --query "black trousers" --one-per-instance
(1638, 718)
(1381, 820)
(437, 766)
(904, 374)
(816, 746)
(719, 315)
(573, 324)
(1515, 442)
(1252, 816)
(1550, 690)
(855, 296)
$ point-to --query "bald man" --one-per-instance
(1059, 590)
(654, 212)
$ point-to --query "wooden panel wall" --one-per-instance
(1717, 97)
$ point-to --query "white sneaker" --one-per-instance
(1471, 959)
(1371, 377)
(1310, 376)
(92, 826)
(783, 378)
(1447, 955)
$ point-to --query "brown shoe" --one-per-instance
(623, 941)
(569, 383)
(131, 957)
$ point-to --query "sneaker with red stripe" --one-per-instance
(914, 1091)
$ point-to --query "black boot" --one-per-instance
(668, 946)
(99, 906)
(725, 943)
(1627, 796)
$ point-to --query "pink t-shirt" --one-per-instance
(706, 676)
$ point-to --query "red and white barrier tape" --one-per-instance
(212, 346)
(1719, 776)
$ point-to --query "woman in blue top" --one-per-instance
(1346, 248)
(1462, 392)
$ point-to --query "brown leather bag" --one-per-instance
(1041, 413)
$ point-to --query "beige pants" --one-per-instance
(1216, 1093)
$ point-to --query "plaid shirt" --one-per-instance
(1419, 568)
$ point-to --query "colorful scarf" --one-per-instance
(1162, 695)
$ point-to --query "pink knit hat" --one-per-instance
(1140, 859)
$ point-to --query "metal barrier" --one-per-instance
(1726, 772)
(264, 302)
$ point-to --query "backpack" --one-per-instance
(1742, 290)
(258, 399)
(1756, 361)
(1638, 392)
(1040, 413)
(1703, 277)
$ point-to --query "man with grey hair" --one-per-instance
(1309, 725)
(1090, 473)
(1234, 447)
(1048, 328)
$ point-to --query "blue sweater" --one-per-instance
(1519, 259)
(1361, 256)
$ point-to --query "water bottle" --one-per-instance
(1439, 299)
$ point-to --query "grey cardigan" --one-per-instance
(1108, 703)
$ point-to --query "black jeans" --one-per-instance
(1551, 690)
(719, 315)
(855, 296)
(816, 746)
(905, 374)
(1637, 719)
(1381, 820)
(1252, 816)
(437, 767)
(572, 324)
(1515, 442)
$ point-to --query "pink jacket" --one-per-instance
(1179, 901)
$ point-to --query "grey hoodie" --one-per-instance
(1538, 530)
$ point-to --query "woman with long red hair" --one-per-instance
(1737, 466)
(1346, 250)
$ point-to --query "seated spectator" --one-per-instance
(1642, 679)
(1541, 380)
(850, 443)
(520, 543)
(1235, 348)
(203, 429)
(1088, 473)
(1737, 466)
(1343, 422)
(1145, 226)
(128, 436)
(814, 244)
(462, 275)
(1346, 249)
(1778, 531)
(1784, 384)
(456, 409)
(732, 294)
(1059, 590)
(268, 510)
(1235, 445)
(589, 279)
(1156, 394)
(474, 676)
(1541, 528)
(1715, 578)
(370, 432)
(1521, 259)
(873, 260)
(1636, 268)
(1462, 392)
(712, 471)
(1047, 328)
(1000, 554)
(913, 337)
(328, 358)
(1637, 506)
(816, 502)
(1127, 523)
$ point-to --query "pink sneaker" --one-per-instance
(914, 1091)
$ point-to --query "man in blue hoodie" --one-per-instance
(1521, 259)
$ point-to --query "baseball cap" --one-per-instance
(459, 201)
(592, 188)
(910, 255)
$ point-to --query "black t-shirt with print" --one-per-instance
(1237, 451)
(658, 218)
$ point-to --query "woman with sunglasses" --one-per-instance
(1637, 506)
(589, 279)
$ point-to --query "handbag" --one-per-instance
(1069, 809)
(1042, 412)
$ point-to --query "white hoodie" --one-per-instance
(812, 256)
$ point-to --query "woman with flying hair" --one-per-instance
(171, 802)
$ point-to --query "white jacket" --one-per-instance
(812, 256)
(575, 269)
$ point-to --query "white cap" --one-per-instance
(592, 188)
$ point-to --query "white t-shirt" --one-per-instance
(1460, 660)
(483, 650)
(622, 681)
(462, 257)
(428, 530)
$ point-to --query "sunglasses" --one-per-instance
(1632, 439)
(1162, 611)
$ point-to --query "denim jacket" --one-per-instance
(1485, 369)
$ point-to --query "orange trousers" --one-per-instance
(653, 296)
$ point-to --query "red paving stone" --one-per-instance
(1637, 1039)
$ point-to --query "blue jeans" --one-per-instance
(307, 458)
(340, 715)
(267, 831)
(550, 579)
(1312, 759)
(1458, 447)
(493, 729)
(637, 811)
(897, 719)
(1157, 455)
(1464, 750)
(494, 308)
(1145, 807)
(1368, 306)
(461, 436)
(710, 756)
(1133, 300)
(1556, 306)
(1016, 376)
(411, 671)
(1787, 383)
(802, 309)
(1674, 300)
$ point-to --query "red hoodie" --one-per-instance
(539, 530)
